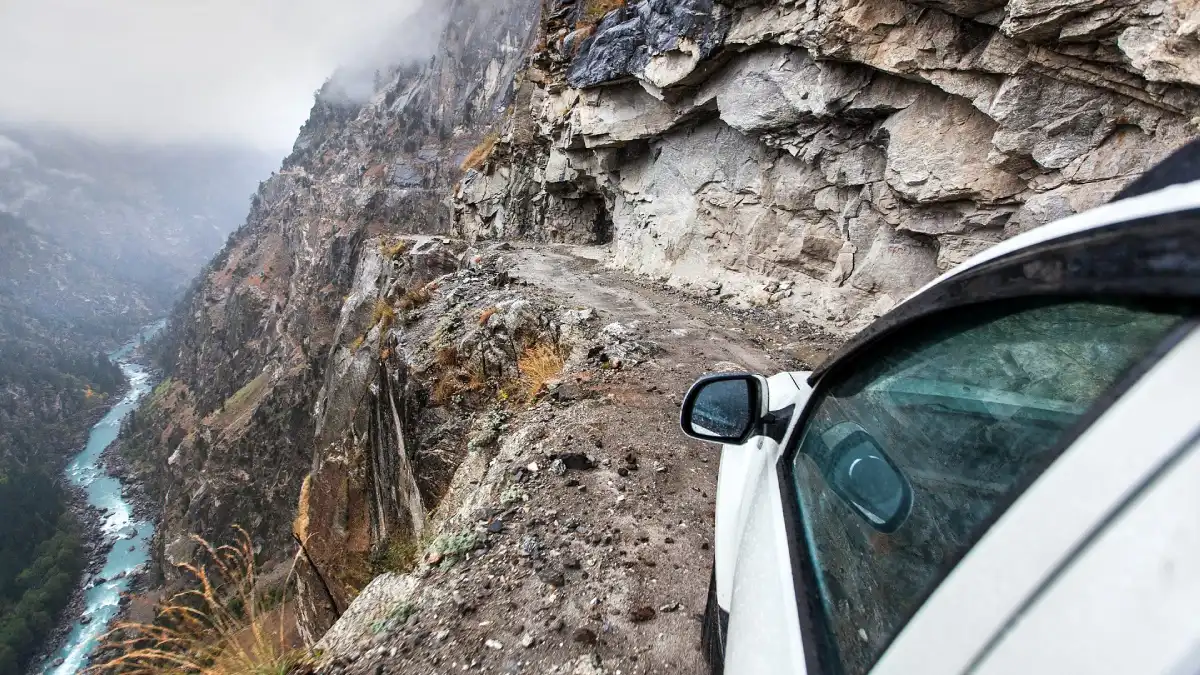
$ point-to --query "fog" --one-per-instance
(184, 71)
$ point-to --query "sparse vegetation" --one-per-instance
(454, 547)
(595, 10)
(383, 314)
(539, 364)
(476, 377)
(358, 343)
(162, 388)
(247, 393)
(480, 154)
(400, 555)
(446, 357)
(456, 376)
(397, 617)
(513, 494)
(486, 314)
(394, 249)
(241, 401)
(445, 388)
(221, 627)
(417, 296)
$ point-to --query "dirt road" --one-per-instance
(598, 558)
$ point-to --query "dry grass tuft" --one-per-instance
(448, 385)
(383, 313)
(398, 555)
(446, 357)
(481, 153)
(538, 365)
(394, 249)
(456, 377)
(486, 314)
(595, 10)
(222, 627)
(477, 377)
(417, 296)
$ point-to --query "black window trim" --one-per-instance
(1159, 260)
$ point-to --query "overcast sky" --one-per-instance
(240, 71)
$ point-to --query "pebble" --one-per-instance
(642, 614)
(527, 640)
(569, 391)
(530, 547)
(552, 576)
(558, 467)
(584, 636)
(493, 644)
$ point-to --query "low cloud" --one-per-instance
(13, 153)
(228, 71)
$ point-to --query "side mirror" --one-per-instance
(724, 408)
(861, 473)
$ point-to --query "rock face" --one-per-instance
(853, 149)
(822, 159)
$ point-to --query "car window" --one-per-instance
(906, 458)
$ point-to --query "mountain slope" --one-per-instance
(231, 437)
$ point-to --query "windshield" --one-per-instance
(958, 420)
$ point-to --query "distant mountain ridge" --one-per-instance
(150, 215)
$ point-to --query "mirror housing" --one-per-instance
(724, 408)
(859, 471)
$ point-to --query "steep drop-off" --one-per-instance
(241, 421)
(329, 379)
(96, 241)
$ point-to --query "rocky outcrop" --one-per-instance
(657, 41)
(848, 150)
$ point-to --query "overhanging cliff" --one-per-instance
(830, 158)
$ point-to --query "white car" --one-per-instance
(1002, 475)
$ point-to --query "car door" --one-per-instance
(1125, 600)
(907, 454)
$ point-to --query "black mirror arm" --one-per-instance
(775, 423)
